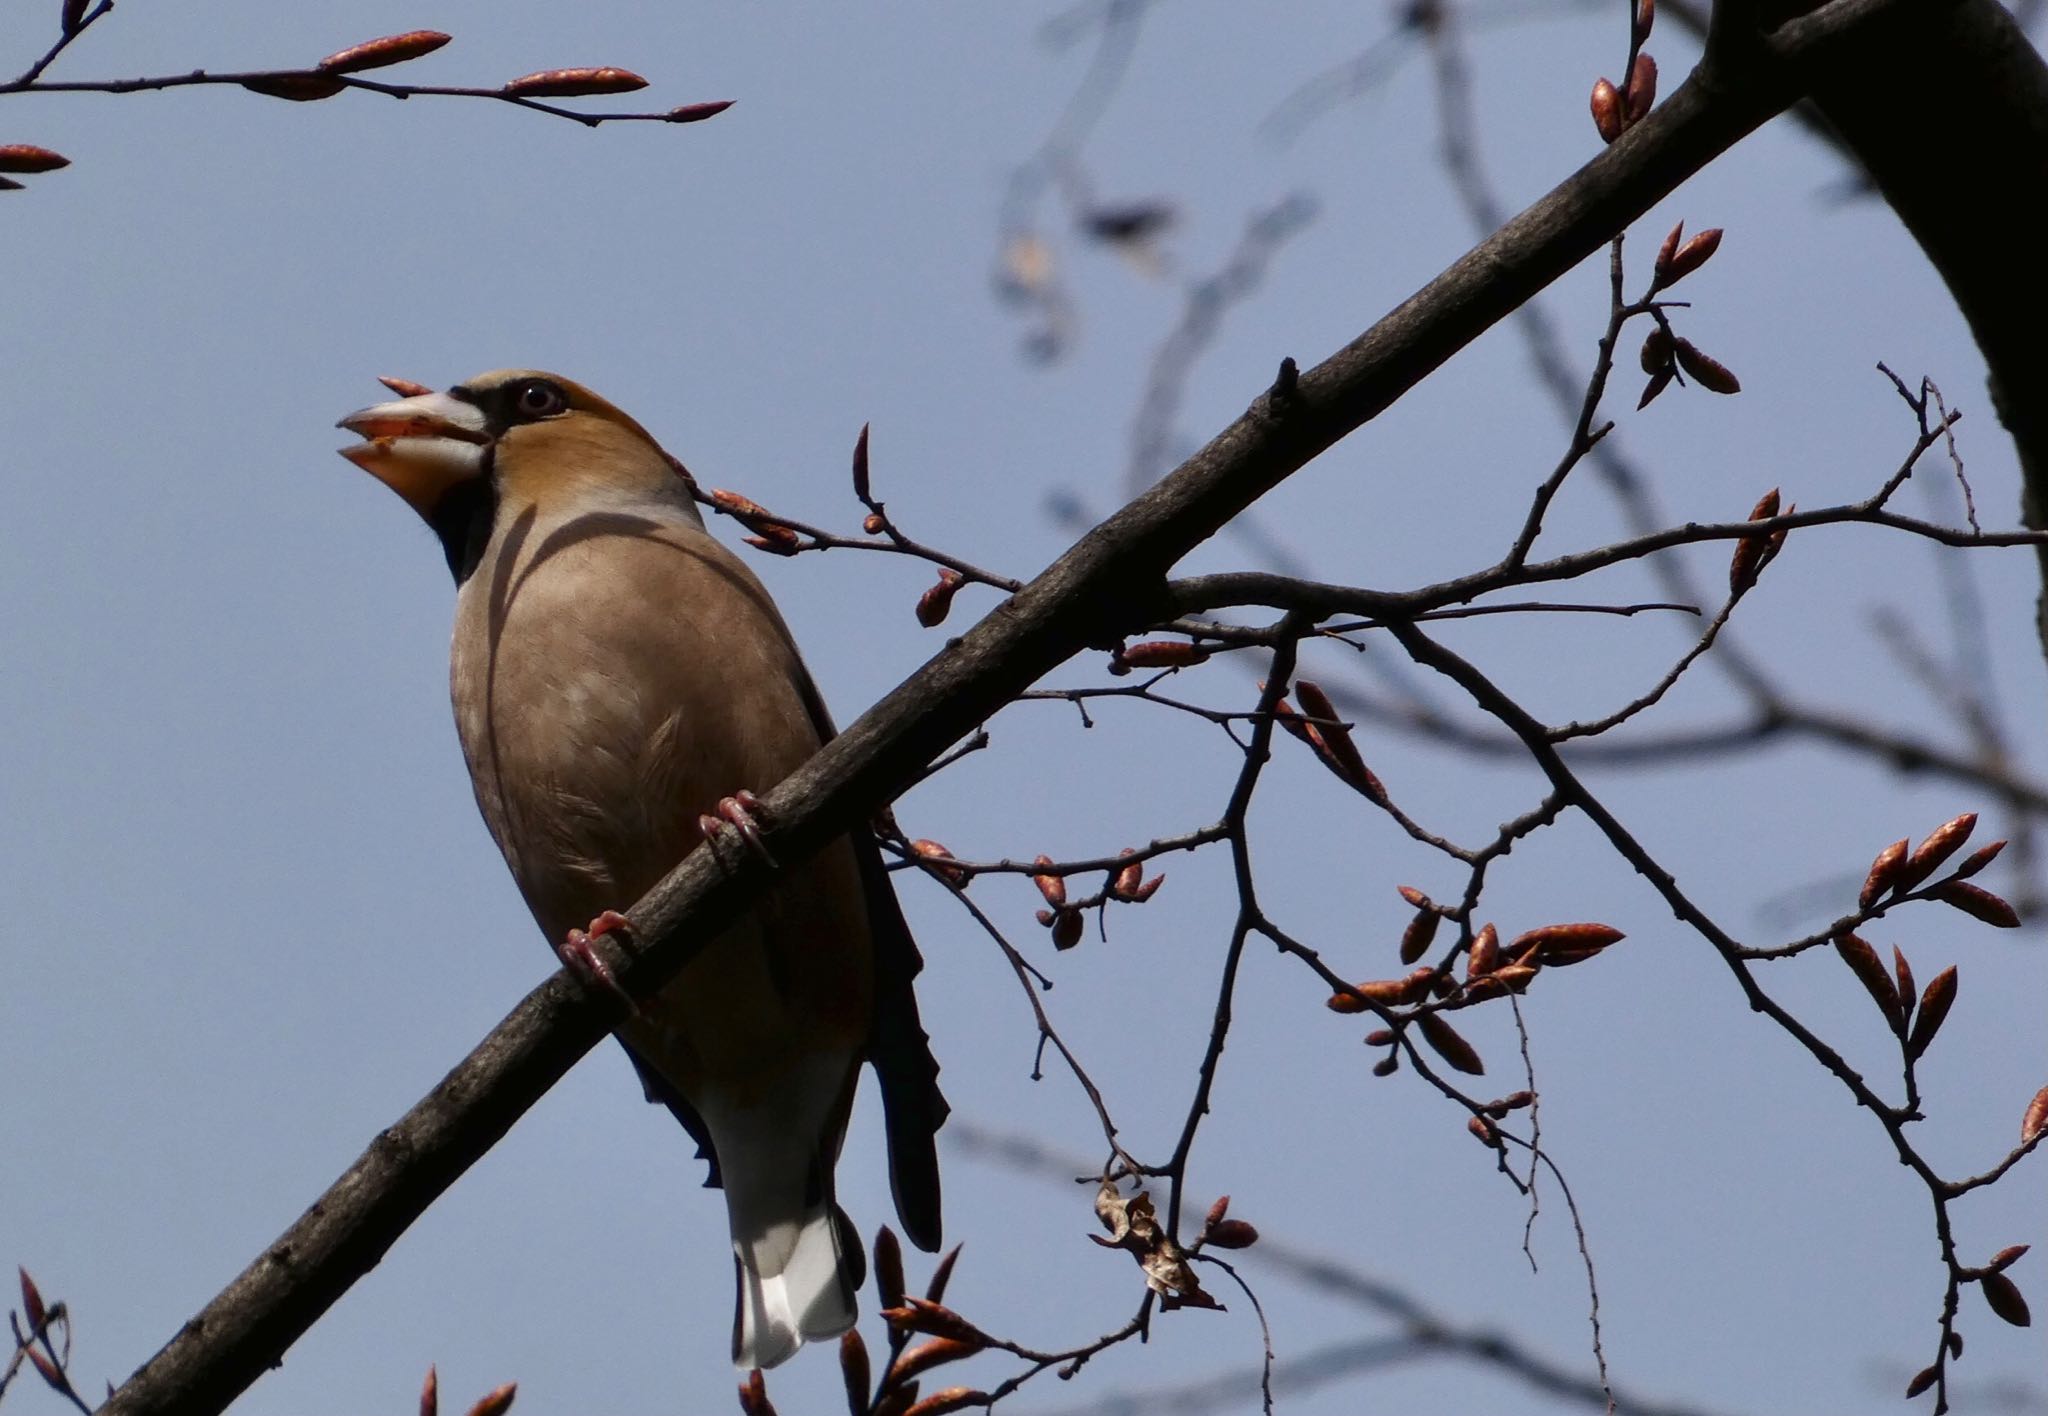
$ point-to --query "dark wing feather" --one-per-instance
(658, 1090)
(913, 1108)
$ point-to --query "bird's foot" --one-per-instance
(580, 959)
(741, 811)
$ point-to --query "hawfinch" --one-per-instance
(616, 671)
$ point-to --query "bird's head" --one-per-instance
(536, 438)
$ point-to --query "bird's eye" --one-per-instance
(539, 399)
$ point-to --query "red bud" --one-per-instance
(297, 87)
(855, 1372)
(27, 157)
(932, 851)
(1863, 962)
(2005, 1299)
(1979, 903)
(573, 83)
(1053, 887)
(1934, 1006)
(377, 53)
(936, 603)
(1689, 257)
(1448, 1044)
(2035, 1121)
(1642, 88)
(696, 112)
(1709, 373)
(1607, 114)
(498, 1401)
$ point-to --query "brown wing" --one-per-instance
(913, 1107)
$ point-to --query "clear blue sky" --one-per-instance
(251, 913)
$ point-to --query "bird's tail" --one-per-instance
(796, 1257)
(796, 1285)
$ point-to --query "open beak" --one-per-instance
(420, 447)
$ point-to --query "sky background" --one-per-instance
(250, 913)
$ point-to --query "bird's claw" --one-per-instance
(739, 811)
(580, 959)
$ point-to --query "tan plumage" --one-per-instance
(615, 672)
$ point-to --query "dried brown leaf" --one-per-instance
(940, 1403)
(430, 1393)
(1922, 1379)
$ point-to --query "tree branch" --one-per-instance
(1111, 580)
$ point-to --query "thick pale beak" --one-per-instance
(420, 447)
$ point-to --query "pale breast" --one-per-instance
(612, 679)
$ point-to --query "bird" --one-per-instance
(614, 669)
